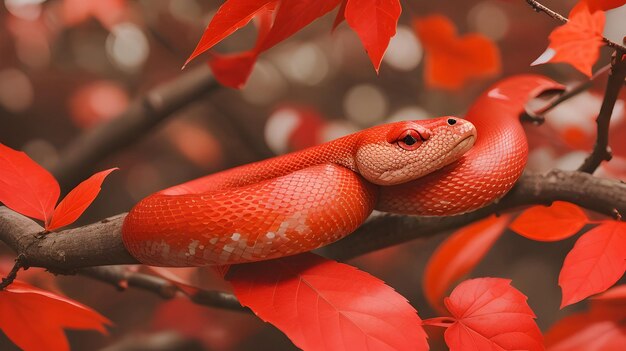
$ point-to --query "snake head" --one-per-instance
(400, 152)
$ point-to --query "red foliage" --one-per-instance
(458, 255)
(602, 328)
(489, 314)
(43, 330)
(324, 305)
(26, 187)
(557, 222)
(374, 21)
(603, 5)
(596, 262)
(29, 189)
(578, 41)
(451, 60)
(77, 201)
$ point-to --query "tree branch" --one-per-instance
(601, 150)
(100, 243)
(78, 159)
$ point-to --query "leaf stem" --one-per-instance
(19, 263)
(443, 322)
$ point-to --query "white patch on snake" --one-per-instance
(495, 93)
(235, 237)
(270, 235)
(165, 249)
(213, 241)
(192, 247)
(229, 248)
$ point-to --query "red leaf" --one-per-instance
(557, 222)
(602, 328)
(77, 201)
(375, 23)
(34, 319)
(578, 41)
(25, 186)
(604, 5)
(583, 332)
(341, 14)
(231, 16)
(458, 255)
(324, 305)
(596, 262)
(451, 60)
(293, 16)
(216, 329)
(490, 315)
(233, 70)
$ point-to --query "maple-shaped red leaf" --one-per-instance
(489, 314)
(596, 262)
(458, 255)
(25, 186)
(34, 319)
(77, 201)
(603, 5)
(324, 305)
(578, 41)
(602, 328)
(374, 21)
(451, 60)
(557, 222)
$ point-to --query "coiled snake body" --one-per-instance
(300, 201)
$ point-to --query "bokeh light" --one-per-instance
(127, 46)
(365, 104)
(405, 51)
(16, 90)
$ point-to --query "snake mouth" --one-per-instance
(465, 144)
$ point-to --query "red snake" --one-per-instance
(304, 200)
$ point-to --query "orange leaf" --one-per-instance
(77, 201)
(557, 222)
(34, 319)
(25, 186)
(450, 60)
(596, 262)
(341, 14)
(324, 305)
(490, 315)
(374, 21)
(578, 41)
(458, 255)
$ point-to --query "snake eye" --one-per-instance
(410, 140)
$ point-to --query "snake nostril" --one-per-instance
(451, 121)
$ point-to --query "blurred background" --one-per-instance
(68, 65)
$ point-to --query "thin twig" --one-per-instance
(121, 278)
(557, 16)
(537, 116)
(601, 150)
(19, 263)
